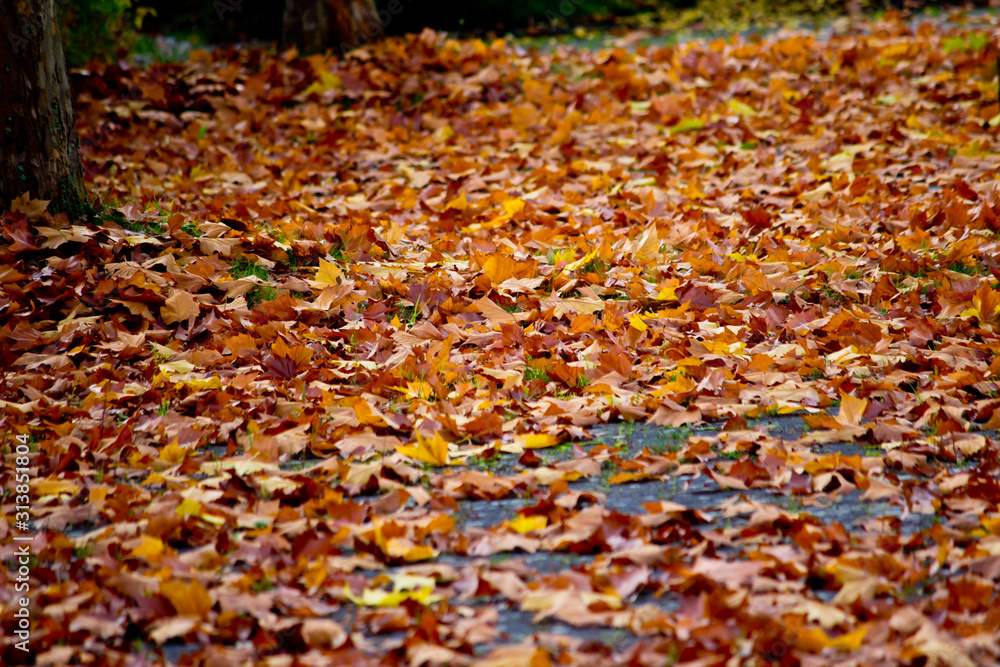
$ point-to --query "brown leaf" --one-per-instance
(180, 306)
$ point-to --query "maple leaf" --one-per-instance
(180, 306)
(852, 410)
(328, 273)
(987, 304)
(528, 524)
(150, 548)
(189, 598)
(33, 208)
(428, 450)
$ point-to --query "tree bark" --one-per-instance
(313, 26)
(39, 147)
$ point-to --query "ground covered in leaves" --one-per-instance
(452, 352)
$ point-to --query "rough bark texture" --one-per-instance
(313, 26)
(39, 148)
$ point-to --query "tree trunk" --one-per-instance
(313, 26)
(39, 148)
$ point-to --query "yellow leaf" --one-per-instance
(741, 108)
(527, 524)
(407, 550)
(537, 440)
(724, 349)
(173, 453)
(376, 597)
(636, 323)
(563, 255)
(583, 260)
(154, 478)
(189, 507)
(418, 389)
(691, 191)
(443, 134)
(329, 273)
(687, 124)
(680, 385)
(459, 203)
(667, 294)
(433, 451)
(150, 548)
(991, 524)
(53, 487)
(512, 206)
(327, 81)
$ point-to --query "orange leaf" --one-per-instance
(987, 302)
(851, 409)
(188, 598)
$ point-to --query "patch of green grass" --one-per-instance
(262, 585)
(974, 269)
(484, 463)
(596, 265)
(409, 315)
(261, 293)
(243, 267)
(192, 230)
(974, 41)
(533, 373)
(770, 411)
(149, 228)
(338, 254)
(833, 295)
(84, 551)
(608, 470)
(670, 438)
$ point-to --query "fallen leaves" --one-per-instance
(326, 391)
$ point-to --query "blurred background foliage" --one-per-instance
(99, 29)
(105, 29)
